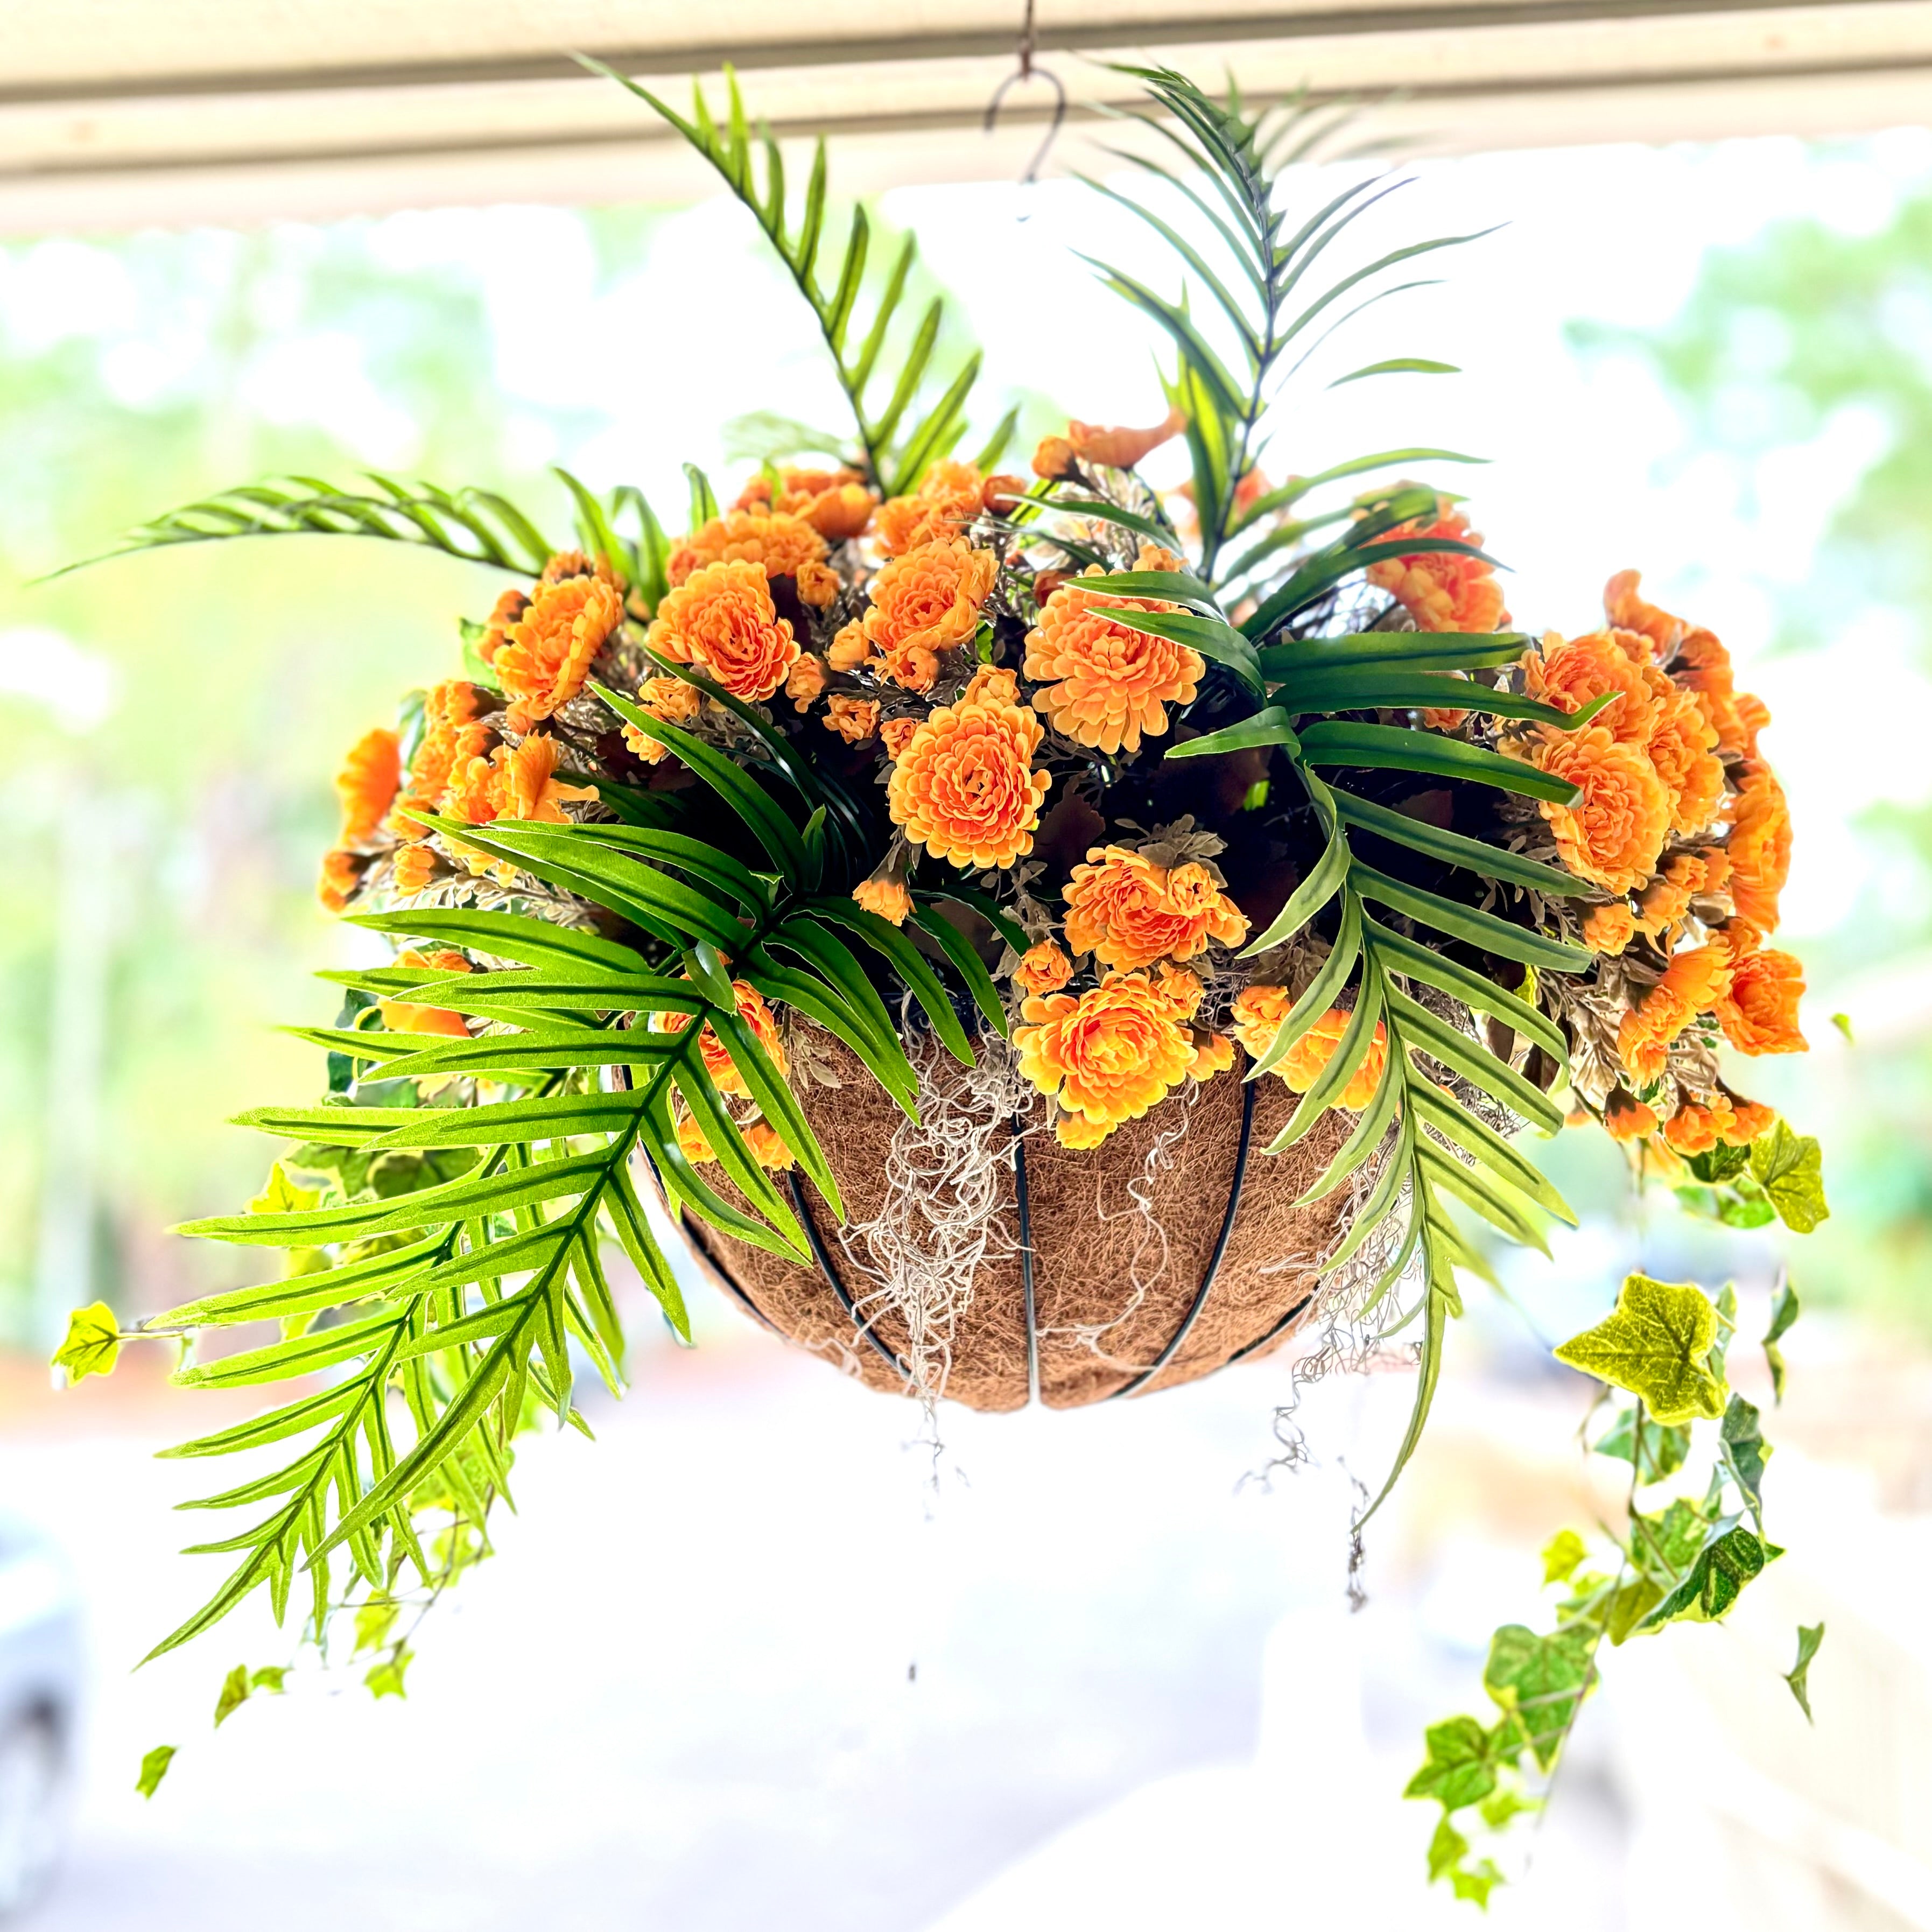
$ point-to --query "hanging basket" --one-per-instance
(1172, 1250)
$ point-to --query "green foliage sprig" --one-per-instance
(1685, 1559)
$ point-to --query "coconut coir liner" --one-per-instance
(1099, 1262)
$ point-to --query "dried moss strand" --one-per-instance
(1028, 1306)
(828, 1268)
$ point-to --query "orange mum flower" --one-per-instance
(722, 620)
(449, 733)
(1103, 684)
(1258, 1013)
(1681, 744)
(948, 498)
(527, 788)
(718, 1063)
(805, 681)
(779, 544)
(926, 602)
(964, 787)
(767, 1145)
(1749, 1118)
(1214, 1053)
(1626, 1118)
(1612, 835)
(1759, 846)
(401, 1016)
(1043, 968)
(887, 897)
(1698, 1126)
(896, 733)
(341, 875)
(1571, 675)
(413, 867)
(1129, 912)
(855, 719)
(1662, 633)
(510, 606)
(1112, 448)
(1752, 715)
(691, 1142)
(551, 647)
(835, 502)
(1609, 928)
(367, 783)
(818, 586)
(1442, 590)
(849, 649)
(1693, 983)
(1759, 1014)
(670, 699)
(1667, 898)
(1107, 1056)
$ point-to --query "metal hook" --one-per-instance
(1026, 71)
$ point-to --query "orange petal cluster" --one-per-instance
(516, 782)
(1682, 746)
(1627, 1118)
(925, 602)
(886, 897)
(722, 620)
(670, 700)
(718, 1062)
(1103, 684)
(450, 737)
(401, 1016)
(1609, 928)
(1571, 675)
(1043, 968)
(777, 544)
(1128, 912)
(835, 502)
(1693, 983)
(1612, 835)
(341, 878)
(1442, 590)
(949, 497)
(1760, 1012)
(1112, 448)
(964, 786)
(1759, 846)
(413, 867)
(1698, 1126)
(1257, 1017)
(366, 785)
(548, 651)
(1110, 1053)
(855, 719)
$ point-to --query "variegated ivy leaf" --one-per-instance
(1657, 1344)
(1561, 1556)
(1809, 1637)
(92, 1344)
(1788, 1168)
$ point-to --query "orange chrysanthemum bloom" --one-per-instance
(767, 1145)
(1129, 912)
(1681, 748)
(527, 786)
(670, 699)
(964, 787)
(1113, 448)
(1609, 928)
(691, 1140)
(1258, 1014)
(849, 649)
(414, 866)
(1629, 613)
(1693, 983)
(550, 648)
(1749, 1118)
(1752, 715)
(1442, 590)
(1667, 898)
(1612, 835)
(449, 733)
(1759, 846)
(509, 606)
(886, 897)
(1759, 1014)
(1626, 1118)
(835, 502)
(926, 601)
(948, 499)
(722, 620)
(1571, 675)
(805, 681)
(718, 1062)
(1304, 1062)
(401, 1016)
(1101, 683)
(777, 544)
(341, 875)
(896, 733)
(855, 719)
(1043, 968)
(818, 586)
(1698, 1126)
(1107, 1056)
(1214, 1053)
(367, 783)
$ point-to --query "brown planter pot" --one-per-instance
(1221, 1265)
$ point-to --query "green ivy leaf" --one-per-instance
(234, 1695)
(1730, 1558)
(1561, 1556)
(1447, 1848)
(92, 1344)
(280, 1195)
(373, 1622)
(1539, 1682)
(1809, 1637)
(1461, 1765)
(1784, 1311)
(1657, 1344)
(1502, 1804)
(270, 1677)
(1720, 1163)
(1655, 1449)
(1787, 1166)
(154, 1768)
(385, 1679)
(1741, 1446)
(1475, 1882)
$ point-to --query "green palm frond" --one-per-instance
(896, 443)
